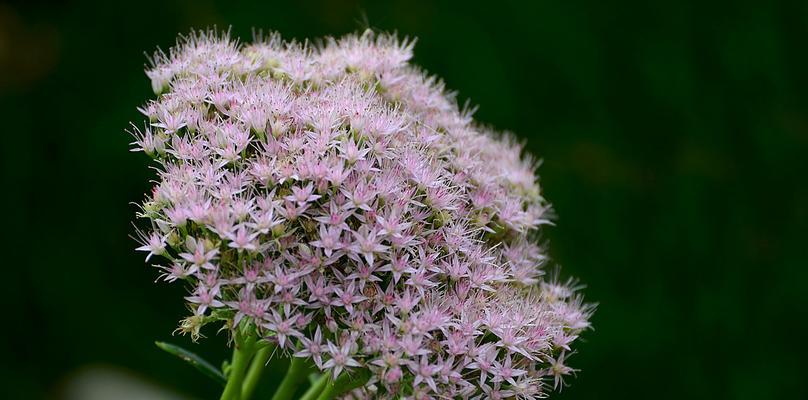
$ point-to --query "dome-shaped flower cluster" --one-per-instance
(336, 198)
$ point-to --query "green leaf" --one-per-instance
(196, 361)
(350, 381)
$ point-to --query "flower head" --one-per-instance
(336, 200)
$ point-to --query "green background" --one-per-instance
(673, 133)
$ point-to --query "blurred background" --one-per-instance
(674, 136)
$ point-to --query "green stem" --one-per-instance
(255, 371)
(294, 377)
(315, 388)
(243, 351)
(330, 391)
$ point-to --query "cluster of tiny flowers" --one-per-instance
(337, 199)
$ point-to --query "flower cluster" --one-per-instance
(337, 199)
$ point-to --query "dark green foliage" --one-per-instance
(674, 136)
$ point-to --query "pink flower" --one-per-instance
(340, 358)
(330, 239)
(351, 152)
(242, 239)
(284, 328)
(313, 348)
(247, 305)
(505, 371)
(558, 370)
(424, 371)
(347, 297)
(200, 257)
(303, 195)
(205, 297)
(367, 242)
(153, 243)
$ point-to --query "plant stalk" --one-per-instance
(256, 370)
(316, 388)
(295, 376)
(243, 351)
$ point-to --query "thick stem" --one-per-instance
(294, 377)
(316, 388)
(329, 392)
(256, 370)
(243, 351)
